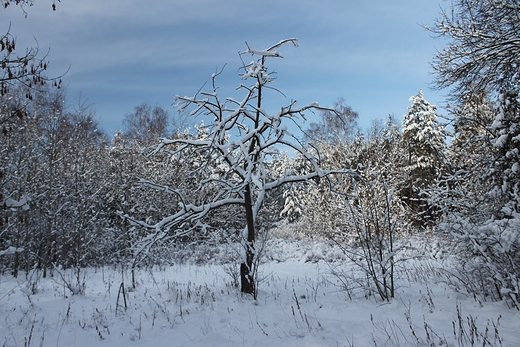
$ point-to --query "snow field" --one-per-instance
(300, 303)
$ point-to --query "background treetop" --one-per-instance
(483, 49)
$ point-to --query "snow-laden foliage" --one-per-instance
(471, 143)
(424, 138)
(490, 264)
(465, 185)
(319, 209)
(477, 197)
(485, 203)
(506, 169)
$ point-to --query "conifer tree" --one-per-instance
(424, 138)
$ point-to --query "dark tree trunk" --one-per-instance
(246, 269)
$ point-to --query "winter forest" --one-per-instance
(259, 228)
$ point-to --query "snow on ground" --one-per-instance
(300, 303)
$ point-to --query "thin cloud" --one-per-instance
(125, 52)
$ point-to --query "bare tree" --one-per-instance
(335, 126)
(27, 69)
(236, 149)
(146, 124)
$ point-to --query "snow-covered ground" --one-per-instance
(300, 303)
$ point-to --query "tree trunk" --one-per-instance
(246, 268)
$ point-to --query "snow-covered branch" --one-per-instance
(233, 155)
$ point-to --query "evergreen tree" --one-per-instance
(464, 187)
(425, 140)
(472, 119)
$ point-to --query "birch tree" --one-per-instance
(146, 124)
(334, 127)
(240, 141)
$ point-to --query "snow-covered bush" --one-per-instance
(491, 264)
(478, 197)
(377, 216)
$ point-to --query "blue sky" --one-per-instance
(121, 53)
